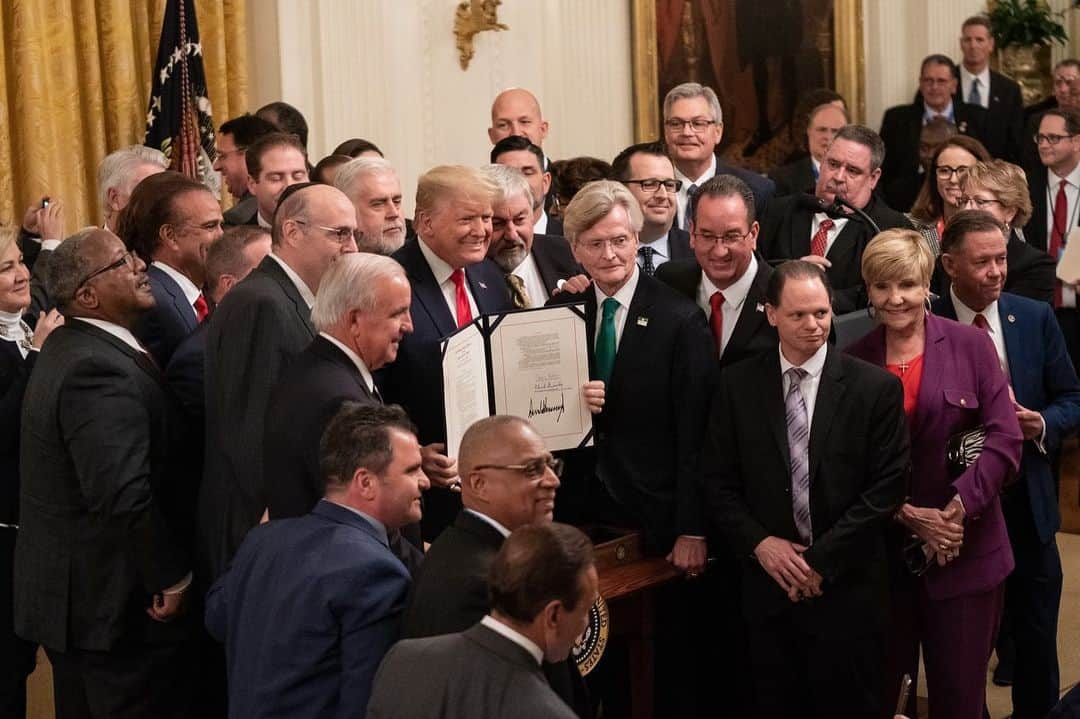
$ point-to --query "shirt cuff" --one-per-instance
(1040, 443)
(49, 244)
(180, 587)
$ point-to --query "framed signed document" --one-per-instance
(527, 363)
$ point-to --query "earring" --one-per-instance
(871, 312)
(928, 303)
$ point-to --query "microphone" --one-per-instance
(839, 209)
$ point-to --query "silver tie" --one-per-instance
(798, 432)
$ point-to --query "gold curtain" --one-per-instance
(75, 83)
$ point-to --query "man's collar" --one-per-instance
(540, 226)
(736, 292)
(687, 181)
(379, 527)
(484, 518)
(930, 113)
(514, 636)
(1073, 178)
(121, 333)
(965, 315)
(813, 366)
(984, 76)
(301, 286)
(439, 267)
(625, 293)
(191, 292)
(262, 223)
(360, 366)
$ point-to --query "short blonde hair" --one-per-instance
(7, 237)
(452, 182)
(895, 255)
(594, 202)
(1008, 184)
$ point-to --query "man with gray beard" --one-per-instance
(534, 264)
(372, 185)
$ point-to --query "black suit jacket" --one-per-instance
(763, 188)
(106, 500)
(797, 176)
(14, 374)
(414, 380)
(554, 261)
(1036, 231)
(1005, 118)
(186, 373)
(244, 212)
(1032, 272)
(902, 125)
(859, 467)
(649, 434)
(171, 319)
(258, 328)
(785, 235)
(752, 334)
(554, 227)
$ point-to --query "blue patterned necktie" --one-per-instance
(798, 432)
(975, 97)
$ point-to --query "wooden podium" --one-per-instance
(628, 583)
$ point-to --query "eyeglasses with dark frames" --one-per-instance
(653, 185)
(128, 259)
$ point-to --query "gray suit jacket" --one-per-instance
(477, 674)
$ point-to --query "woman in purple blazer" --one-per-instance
(952, 383)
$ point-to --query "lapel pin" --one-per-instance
(760, 307)
(482, 285)
(1012, 318)
(643, 321)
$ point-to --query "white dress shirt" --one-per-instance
(191, 292)
(305, 292)
(623, 296)
(929, 114)
(534, 283)
(810, 383)
(495, 525)
(661, 250)
(262, 223)
(540, 226)
(360, 366)
(966, 316)
(966, 79)
(837, 228)
(681, 195)
(515, 636)
(734, 298)
(121, 333)
(1072, 194)
(442, 272)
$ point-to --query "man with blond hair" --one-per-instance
(452, 284)
(372, 185)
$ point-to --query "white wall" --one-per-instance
(387, 71)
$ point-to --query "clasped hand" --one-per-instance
(784, 562)
(941, 529)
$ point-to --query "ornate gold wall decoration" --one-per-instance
(473, 17)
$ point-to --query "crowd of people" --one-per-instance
(226, 483)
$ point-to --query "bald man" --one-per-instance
(517, 112)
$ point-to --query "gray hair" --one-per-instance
(866, 137)
(115, 171)
(351, 284)
(360, 167)
(511, 182)
(690, 90)
(67, 267)
(594, 202)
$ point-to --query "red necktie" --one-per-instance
(1057, 233)
(201, 308)
(821, 238)
(716, 319)
(980, 322)
(461, 299)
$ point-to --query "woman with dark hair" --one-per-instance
(939, 198)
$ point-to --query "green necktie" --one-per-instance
(605, 341)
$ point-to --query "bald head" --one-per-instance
(517, 112)
(313, 226)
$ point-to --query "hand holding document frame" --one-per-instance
(1068, 267)
(527, 363)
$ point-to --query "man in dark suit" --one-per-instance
(727, 279)
(452, 284)
(997, 94)
(535, 266)
(310, 605)
(649, 174)
(259, 326)
(171, 220)
(1032, 351)
(809, 519)
(519, 152)
(901, 125)
(233, 139)
(372, 185)
(542, 585)
(1055, 208)
(801, 175)
(516, 111)
(105, 493)
(274, 162)
(693, 126)
(794, 228)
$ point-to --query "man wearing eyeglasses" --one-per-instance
(103, 561)
(257, 328)
(1055, 207)
(649, 174)
(508, 480)
(233, 138)
(693, 127)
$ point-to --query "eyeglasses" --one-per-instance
(944, 172)
(128, 259)
(1052, 139)
(698, 124)
(534, 469)
(709, 239)
(653, 185)
(597, 246)
(977, 202)
(341, 235)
